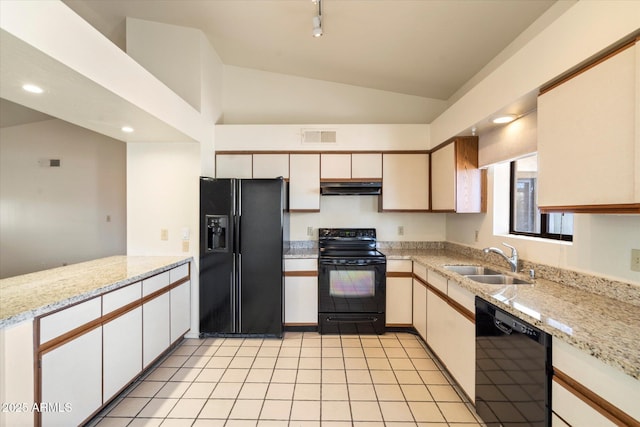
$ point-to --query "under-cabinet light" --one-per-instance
(507, 118)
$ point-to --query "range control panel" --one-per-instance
(347, 233)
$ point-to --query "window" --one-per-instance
(525, 218)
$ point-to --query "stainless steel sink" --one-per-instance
(467, 270)
(497, 279)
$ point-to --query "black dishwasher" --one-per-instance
(513, 370)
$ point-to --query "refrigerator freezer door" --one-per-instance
(218, 302)
(260, 262)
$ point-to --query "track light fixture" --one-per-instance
(317, 20)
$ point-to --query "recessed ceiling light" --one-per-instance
(506, 118)
(32, 88)
(127, 129)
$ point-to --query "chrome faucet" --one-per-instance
(512, 260)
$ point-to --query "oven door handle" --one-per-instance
(357, 264)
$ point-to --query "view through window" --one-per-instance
(525, 217)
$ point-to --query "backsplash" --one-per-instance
(412, 245)
(623, 291)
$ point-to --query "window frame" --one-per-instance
(544, 217)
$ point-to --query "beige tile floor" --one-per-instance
(305, 379)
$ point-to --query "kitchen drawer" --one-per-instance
(155, 283)
(420, 271)
(300, 264)
(66, 320)
(121, 297)
(399, 266)
(178, 273)
(439, 282)
(461, 296)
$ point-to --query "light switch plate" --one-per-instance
(635, 259)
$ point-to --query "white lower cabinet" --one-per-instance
(573, 410)
(180, 310)
(122, 352)
(437, 333)
(399, 293)
(451, 335)
(301, 300)
(461, 352)
(301, 291)
(399, 301)
(72, 378)
(577, 373)
(156, 328)
(420, 308)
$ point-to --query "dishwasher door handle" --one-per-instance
(507, 330)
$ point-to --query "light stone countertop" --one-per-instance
(301, 253)
(604, 327)
(27, 296)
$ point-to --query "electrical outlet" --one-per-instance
(476, 236)
(309, 231)
(401, 230)
(164, 234)
(185, 246)
(635, 259)
(108, 218)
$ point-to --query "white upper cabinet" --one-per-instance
(589, 138)
(366, 166)
(456, 181)
(304, 182)
(443, 176)
(405, 182)
(271, 165)
(234, 166)
(335, 166)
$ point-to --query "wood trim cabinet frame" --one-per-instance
(41, 349)
(465, 168)
(606, 409)
(463, 182)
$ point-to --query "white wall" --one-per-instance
(260, 97)
(581, 32)
(151, 43)
(163, 182)
(362, 211)
(162, 193)
(349, 137)
(55, 216)
(601, 245)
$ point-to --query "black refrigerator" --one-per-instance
(241, 245)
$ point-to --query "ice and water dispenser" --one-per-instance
(217, 233)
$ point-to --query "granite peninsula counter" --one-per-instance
(30, 295)
(112, 317)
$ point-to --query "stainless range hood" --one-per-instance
(351, 188)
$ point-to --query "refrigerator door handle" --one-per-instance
(234, 297)
(239, 288)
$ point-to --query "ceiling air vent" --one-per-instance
(314, 136)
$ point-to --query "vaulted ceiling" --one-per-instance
(426, 48)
